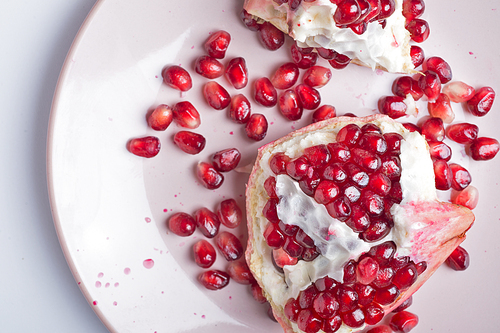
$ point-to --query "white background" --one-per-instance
(37, 290)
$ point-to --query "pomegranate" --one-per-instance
(321, 284)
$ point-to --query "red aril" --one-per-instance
(216, 45)
(182, 224)
(439, 150)
(419, 30)
(249, 21)
(177, 78)
(412, 127)
(480, 104)
(229, 213)
(403, 322)
(433, 129)
(264, 92)
(430, 83)
(160, 118)
(208, 67)
(413, 9)
(405, 85)
(285, 76)
(308, 96)
(461, 178)
(207, 222)
(186, 115)
(327, 54)
(387, 8)
(239, 272)
(393, 106)
(278, 163)
(189, 142)
(294, 4)
(256, 127)
(240, 109)
(324, 112)
(148, 146)
(469, 197)
(483, 148)
(462, 132)
(204, 253)
(347, 12)
(216, 95)
(208, 176)
(214, 279)
(317, 76)
(339, 61)
(459, 259)
(237, 73)
(417, 55)
(226, 160)
(376, 7)
(459, 91)
(257, 293)
(406, 304)
(443, 175)
(439, 66)
(281, 258)
(380, 329)
(229, 245)
(290, 105)
(441, 108)
(303, 57)
(271, 37)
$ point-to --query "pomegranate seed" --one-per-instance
(290, 105)
(467, 198)
(226, 160)
(298, 168)
(282, 259)
(433, 129)
(249, 21)
(413, 9)
(480, 104)
(326, 192)
(354, 318)
(325, 305)
(441, 108)
(294, 4)
(318, 155)
(229, 245)
(186, 115)
(265, 93)
(391, 167)
(308, 321)
(239, 272)
(208, 67)
(387, 8)
(462, 132)
(403, 321)
(339, 61)
(308, 96)
(327, 54)
(339, 209)
(278, 163)
(292, 309)
(304, 58)
(274, 236)
(430, 83)
(182, 224)
(271, 37)
(412, 127)
(405, 277)
(461, 178)
(373, 313)
(347, 12)
(380, 329)
(459, 259)
(367, 270)
(239, 109)
(216, 95)
(324, 112)
(204, 253)
(376, 8)
(229, 213)
(458, 91)
(443, 175)
(270, 187)
(257, 293)
(377, 230)
(366, 159)
(340, 152)
(317, 76)
(366, 293)
(393, 141)
(405, 85)
(417, 55)
(439, 150)
(237, 73)
(393, 106)
(285, 76)
(483, 149)
(419, 30)
(214, 279)
(349, 135)
(387, 295)
(207, 222)
(177, 78)
(208, 176)
(217, 44)
(380, 183)
(350, 272)
(440, 67)
(148, 146)
(374, 142)
(160, 118)
(189, 142)
(256, 127)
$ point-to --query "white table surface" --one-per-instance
(37, 290)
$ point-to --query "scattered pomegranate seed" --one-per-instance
(459, 91)
(480, 104)
(237, 73)
(239, 272)
(462, 132)
(443, 175)
(160, 118)
(186, 115)
(403, 321)
(271, 37)
(440, 67)
(380, 329)
(483, 149)
(467, 198)
(419, 30)
(461, 178)
(290, 105)
(441, 108)
(317, 76)
(249, 21)
(339, 61)
(417, 55)
(240, 109)
(208, 67)
(229, 213)
(393, 106)
(347, 12)
(177, 78)
(207, 222)
(430, 83)
(303, 57)
(208, 176)
(256, 127)
(285, 76)
(229, 245)
(308, 96)
(439, 150)
(214, 279)
(459, 259)
(265, 93)
(405, 85)
(189, 142)
(324, 112)
(226, 160)
(216, 95)
(413, 9)
(148, 146)
(204, 253)
(217, 44)
(182, 224)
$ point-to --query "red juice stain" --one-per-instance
(148, 263)
(126, 271)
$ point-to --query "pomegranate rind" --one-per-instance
(435, 228)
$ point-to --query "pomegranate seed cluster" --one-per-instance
(375, 280)
(356, 178)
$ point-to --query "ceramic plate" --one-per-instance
(110, 207)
